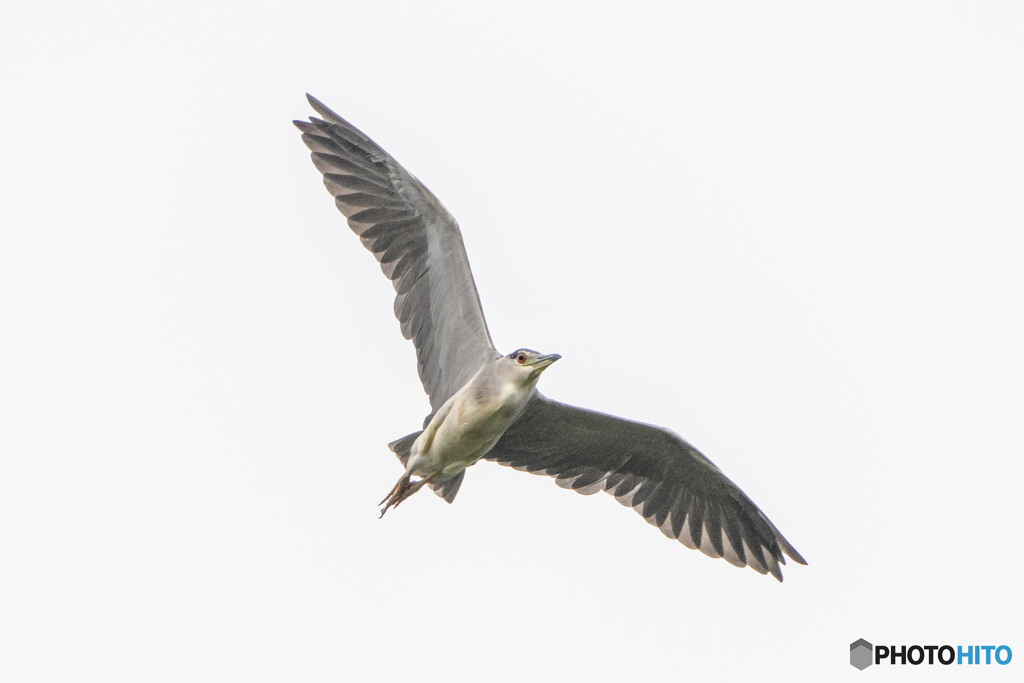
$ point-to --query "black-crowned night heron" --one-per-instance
(486, 405)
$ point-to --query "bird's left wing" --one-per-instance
(419, 246)
(650, 469)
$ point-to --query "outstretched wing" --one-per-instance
(650, 469)
(419, 247)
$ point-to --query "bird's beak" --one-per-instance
(545, 361)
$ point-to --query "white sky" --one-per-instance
(791, 234)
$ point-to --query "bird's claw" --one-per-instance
(404, 488)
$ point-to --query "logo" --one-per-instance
(860, 654)
(863, 654)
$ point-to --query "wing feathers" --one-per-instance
(660, 504)
(352, 183)
(667, 481)
(419, 247)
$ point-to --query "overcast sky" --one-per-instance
(792, 234)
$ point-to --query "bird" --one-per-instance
(485, 404)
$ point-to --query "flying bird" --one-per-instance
(485, 404)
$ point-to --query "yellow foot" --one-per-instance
(404, 488)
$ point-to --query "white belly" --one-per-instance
(464, 430)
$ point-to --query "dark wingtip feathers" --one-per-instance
(330, 116)
(793, 554)
(321, 108)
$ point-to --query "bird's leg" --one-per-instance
(404, 488)
(395, 493)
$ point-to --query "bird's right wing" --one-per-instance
(650, 469)
(419, 247)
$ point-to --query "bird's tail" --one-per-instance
(446, 489)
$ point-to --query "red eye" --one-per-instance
(521, 357)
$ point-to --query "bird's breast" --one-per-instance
(476, 421)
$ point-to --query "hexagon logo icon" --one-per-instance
(860, 654)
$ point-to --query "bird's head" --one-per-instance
(527, 364)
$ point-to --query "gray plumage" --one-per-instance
(486, 405)
(419, 247)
